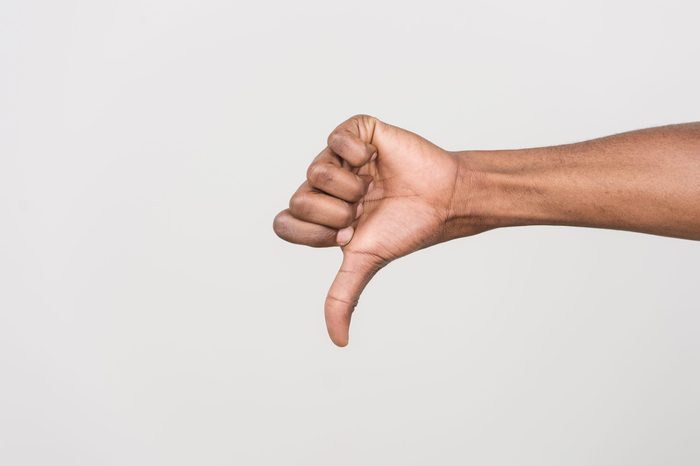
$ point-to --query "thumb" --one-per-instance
(355, 272)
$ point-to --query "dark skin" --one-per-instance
(381, 192)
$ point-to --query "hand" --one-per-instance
(379, 192)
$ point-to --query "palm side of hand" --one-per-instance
(406, 206)
(378, 191)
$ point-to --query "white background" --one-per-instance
(149, 316)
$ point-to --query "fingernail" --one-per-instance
(344, 236)
(360, 209)
(370, 186)
(374, 156)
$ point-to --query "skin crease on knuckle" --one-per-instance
(299, 205)
(343, 144)
(278, 225)
(319, 175)
(282, 228)
(335, 142)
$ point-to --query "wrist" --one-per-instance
(497, 189)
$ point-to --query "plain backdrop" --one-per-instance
(150, 316)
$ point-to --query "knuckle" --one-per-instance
(280, 226)
(362, 119)
(361, 116)
(335, 140)
(319, 174)
(299, 203)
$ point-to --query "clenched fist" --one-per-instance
(377, 191)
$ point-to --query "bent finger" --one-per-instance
(337, 181)
(351, 140)
(317, 207)
(300, 232)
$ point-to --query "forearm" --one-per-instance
(646, 181)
